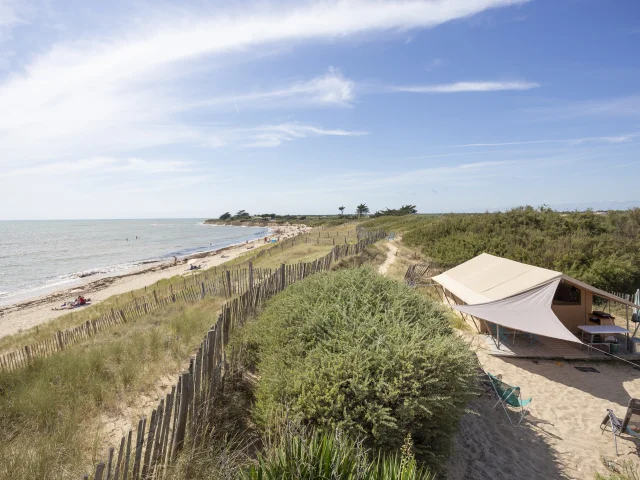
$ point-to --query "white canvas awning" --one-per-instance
(512, 294)
(528, 311)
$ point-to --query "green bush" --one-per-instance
(298, 454)
(362, 353)
(601, 249)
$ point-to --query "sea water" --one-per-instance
(38, 256)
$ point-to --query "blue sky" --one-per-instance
(144, 109)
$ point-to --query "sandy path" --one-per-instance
(30, 313)
(391, 257)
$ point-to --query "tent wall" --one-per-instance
(573, 316)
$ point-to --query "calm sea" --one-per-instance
(37, 256)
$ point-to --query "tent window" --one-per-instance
(566, 294)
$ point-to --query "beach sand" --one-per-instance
(561, 437)
(38, 310)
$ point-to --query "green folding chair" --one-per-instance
(509, 396)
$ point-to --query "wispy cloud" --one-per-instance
(121, 92)
(273, 135)
(102, 165)
(330, 89)
(433, 64)
(451, 175)
(459, 87)
(628, 106)
(569, 141)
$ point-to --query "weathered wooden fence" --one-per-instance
(418, 271)
(186, 414)
(226, 281)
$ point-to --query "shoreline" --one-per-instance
(27, 313)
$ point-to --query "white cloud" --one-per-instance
(102, 165)
(102, 96)
(452, 175)
(458, 87)
(331, 89)
(570, 141)
(273, 135)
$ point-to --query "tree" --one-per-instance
(241, 214)
(404, 210)
(362, 209)
(341, 210)
(225, 216)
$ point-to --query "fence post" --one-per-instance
(282, 276)
(181, 424)
(250, 278)
(60, 342)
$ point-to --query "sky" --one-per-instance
(135, 109)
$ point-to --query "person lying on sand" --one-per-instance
(78, 302)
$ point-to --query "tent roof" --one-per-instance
(487, 277)
(512, 294)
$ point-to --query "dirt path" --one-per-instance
(391, 257)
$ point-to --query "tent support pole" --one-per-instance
(626, 335)
(498, 335)
(473, 319)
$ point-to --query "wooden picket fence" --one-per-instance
(418, 271)
(226, 281)
(186, 414)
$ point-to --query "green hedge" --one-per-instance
(601, 249)
(362, 353)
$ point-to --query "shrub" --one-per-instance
(362, 353)
(300, 454)
(601, 249)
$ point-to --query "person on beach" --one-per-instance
(175, 261)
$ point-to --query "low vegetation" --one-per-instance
(51, 414)
(298, 453)
(599, 248)
(354, 351)
(243, 217)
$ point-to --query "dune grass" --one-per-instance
(298, 453)
(49, 413)
(298, 253)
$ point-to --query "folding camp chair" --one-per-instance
(485, 385)
(629, 425)
(508, 395)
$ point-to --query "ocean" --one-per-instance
(39, 256)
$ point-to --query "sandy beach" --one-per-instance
(28, 313)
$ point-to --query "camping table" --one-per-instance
(592, 330)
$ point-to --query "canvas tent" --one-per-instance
(520, 296)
